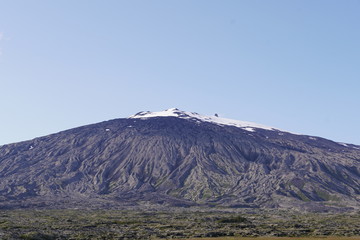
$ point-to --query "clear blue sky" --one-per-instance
(293, 65)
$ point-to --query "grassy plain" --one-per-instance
(177, 224)
(278, 238)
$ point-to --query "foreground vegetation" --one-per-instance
(177, 224)
(278, 238)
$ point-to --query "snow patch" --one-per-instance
(349, 145)
(174, 112)
(250, 129)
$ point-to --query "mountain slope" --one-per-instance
(180, 158)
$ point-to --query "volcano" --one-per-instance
(178, 158)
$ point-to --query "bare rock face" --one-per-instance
(179, 161)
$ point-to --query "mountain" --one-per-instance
(178, 158)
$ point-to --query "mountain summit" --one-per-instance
(174, 112)
(178, 158)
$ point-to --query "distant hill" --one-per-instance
(177, 158)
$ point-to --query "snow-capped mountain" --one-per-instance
(174, 112)
(179, 158)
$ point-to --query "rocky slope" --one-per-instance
(176, 158)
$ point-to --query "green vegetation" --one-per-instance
(237, 219)
(197, 223)
(278, 238)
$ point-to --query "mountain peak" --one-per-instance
(175, 112)
(185, 161)
(171, 112)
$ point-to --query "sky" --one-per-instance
(293, 65)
